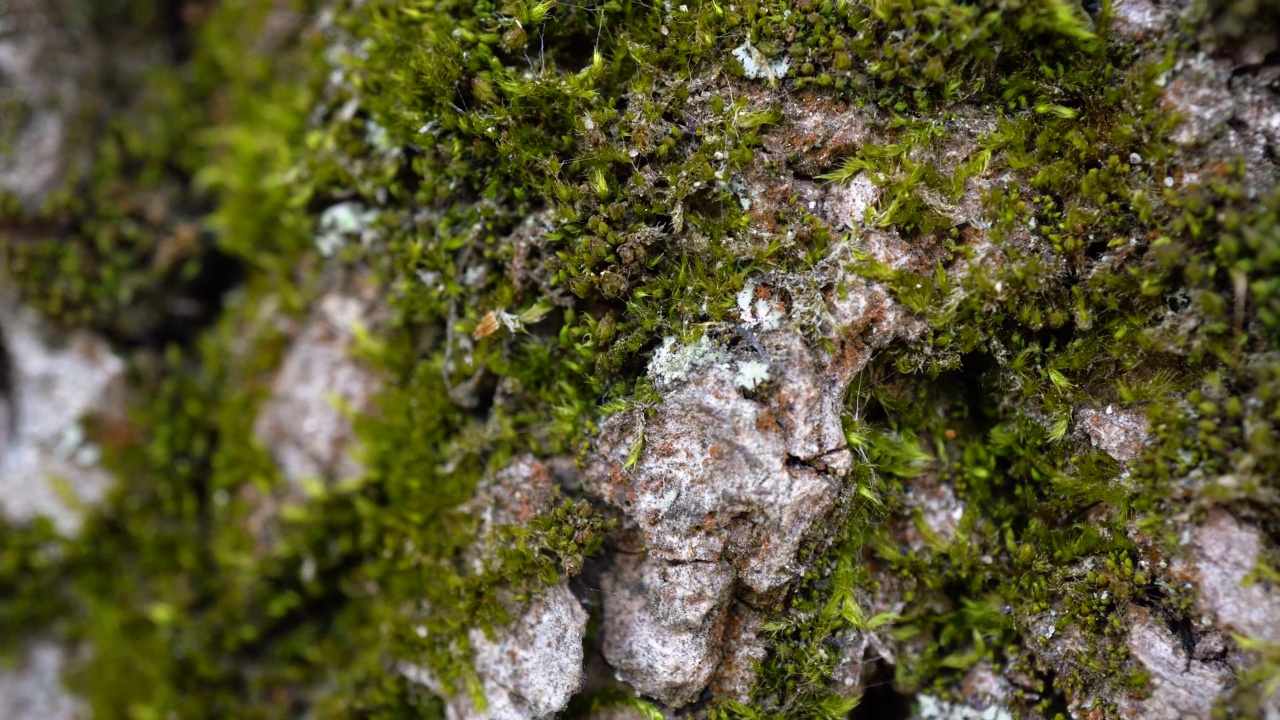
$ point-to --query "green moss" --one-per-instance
(107, 250)
(913, 56)
(30, 574)
(552, 191)
(185, 179)
(1033, 334)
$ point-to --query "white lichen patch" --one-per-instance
(533, 666)
(756, 66)
(1143, 18)
(745, 296)
(1224, 114)
(307, 420)
(528, 669)
(758, 313)
(48, 466)
(751, 374)
(42, 67)
(674, 361)
(936, 508)
(847, 203)
(935, 708)
(34, 691)
(340, 223)
(668, 646)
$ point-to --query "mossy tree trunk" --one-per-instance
(760, 358)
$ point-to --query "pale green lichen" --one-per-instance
(673, 360)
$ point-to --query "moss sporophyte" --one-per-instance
(928, 328)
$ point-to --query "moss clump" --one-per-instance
(1105, 286)
(111, 249)
(133, 246)
(30, 575)
(551, 189)
(917, 56)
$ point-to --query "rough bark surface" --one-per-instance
(519, 360)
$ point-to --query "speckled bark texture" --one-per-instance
(44, 68)
(321, 384)
(723, 481)
(34, 689)
(528, 668)
(516, 360)
(54, 383)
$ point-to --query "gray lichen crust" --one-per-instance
(724, 480)
(528, 668)
(34, 689)
(48, 465)
(321, 384)
(42, 65)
